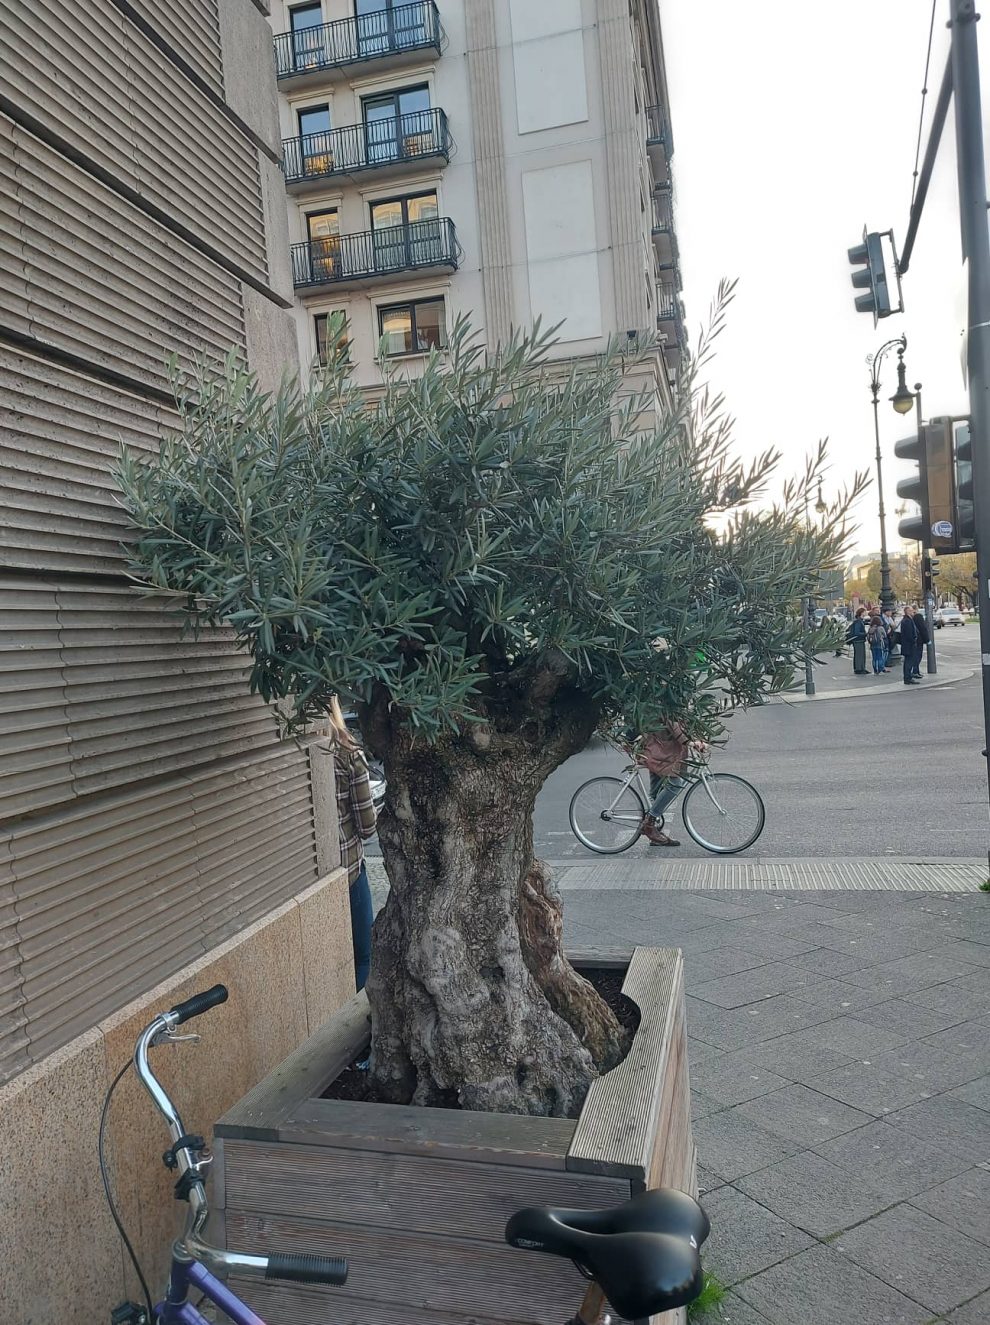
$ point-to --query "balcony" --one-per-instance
(389, 147)
(670, 323)
(664, 238)
(361, 259)
(659, 145)
(387, 39)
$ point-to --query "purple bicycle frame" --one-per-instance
(178, 1310)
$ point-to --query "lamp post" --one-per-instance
(903, 403)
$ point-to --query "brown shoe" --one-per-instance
(654, 836)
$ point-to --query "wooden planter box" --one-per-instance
(417, 1199)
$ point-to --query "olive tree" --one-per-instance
(490, 562)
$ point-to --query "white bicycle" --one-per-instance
(721, 811)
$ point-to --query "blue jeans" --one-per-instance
(665, 794)
(879, 657)
(362, 916)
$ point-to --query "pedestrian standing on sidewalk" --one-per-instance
(921, 626)
(355, 824)
(856, 636)
(909, 644)
(877, 637)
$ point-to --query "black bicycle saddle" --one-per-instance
(644, 1254)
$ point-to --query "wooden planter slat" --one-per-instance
(417, 1199)
(408, 1192)
(442, 1132)
(618, 1127)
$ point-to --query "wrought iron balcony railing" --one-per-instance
(670, 313)
(356, 40)
(357, 257)
(422, 133)
(663, 213)
(657, 129)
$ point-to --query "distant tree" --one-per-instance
(490, 562)
(957, 578)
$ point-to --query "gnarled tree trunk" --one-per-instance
(472, 999)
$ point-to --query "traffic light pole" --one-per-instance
(976, 247)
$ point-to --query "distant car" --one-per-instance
(949, 616)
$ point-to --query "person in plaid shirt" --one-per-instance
(356, 823)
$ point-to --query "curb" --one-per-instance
(851, 692)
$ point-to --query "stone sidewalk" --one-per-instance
(840, 1071)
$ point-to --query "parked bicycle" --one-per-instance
(195, 1263)
(642, 1258)
(722, 812)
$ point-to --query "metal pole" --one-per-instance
(976, 247)
(931, 662)
(886, 593)
(809, 666)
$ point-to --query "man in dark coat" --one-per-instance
(909, 644)
(924, 635)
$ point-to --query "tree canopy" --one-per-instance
(496, 521)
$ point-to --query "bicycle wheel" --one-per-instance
(605, 815)
(723, 813)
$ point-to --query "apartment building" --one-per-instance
(156, 834)
(500, 159)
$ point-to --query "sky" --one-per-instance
(794, 124)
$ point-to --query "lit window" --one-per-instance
(342, 343)
(413, 328)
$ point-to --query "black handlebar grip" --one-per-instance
(307, 1269)
(199, 1003)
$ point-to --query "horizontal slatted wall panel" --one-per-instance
(192, 28)
(60, 435)
(13, 1038)
(159, 136)
(119, 892)
(103, 281)
(34, 724)
(101, 688)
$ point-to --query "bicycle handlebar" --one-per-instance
(199, 1003)
(307, 1269)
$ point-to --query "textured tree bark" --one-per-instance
(472, 999)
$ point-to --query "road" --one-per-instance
(894, 772)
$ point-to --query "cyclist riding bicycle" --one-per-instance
(664, 753)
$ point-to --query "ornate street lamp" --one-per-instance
(903, 402)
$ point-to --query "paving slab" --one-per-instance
(963, 1203)
(731, 1145)
(892, 1160)
(911, 1018)
(957, 998)
(968, 951)
(893, 1080)
(952, 1123)
(700, 967)
(976, 1312)
(746, 1237)
(801, 1056)
(732, 1310)
(969, 1040)
(814, 1194)
(800, 1114)
(820, 1286)
(907, 975)
(735, 991)
(825, 961)
(729, 1079)
(974, 1092)
(920, 1257)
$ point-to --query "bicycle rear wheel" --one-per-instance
(605, 815)
(723, 813)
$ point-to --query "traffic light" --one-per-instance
(942, 487)
(965, 509)
(933, 566)
(871, 277)
(915, 527)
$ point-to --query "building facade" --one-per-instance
(156, 835)
(503, 160)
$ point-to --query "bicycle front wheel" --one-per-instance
(606, 814)
(723, 813)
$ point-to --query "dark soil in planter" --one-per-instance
(352, 1083)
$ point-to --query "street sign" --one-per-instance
(942, 528)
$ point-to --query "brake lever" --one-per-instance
(166, 1036)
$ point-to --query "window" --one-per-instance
(305, 25)
(315, 152)
(413, 328)
(389, 25)
(398, 125)
(342, 344)
(324, 245)
(406, 232)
